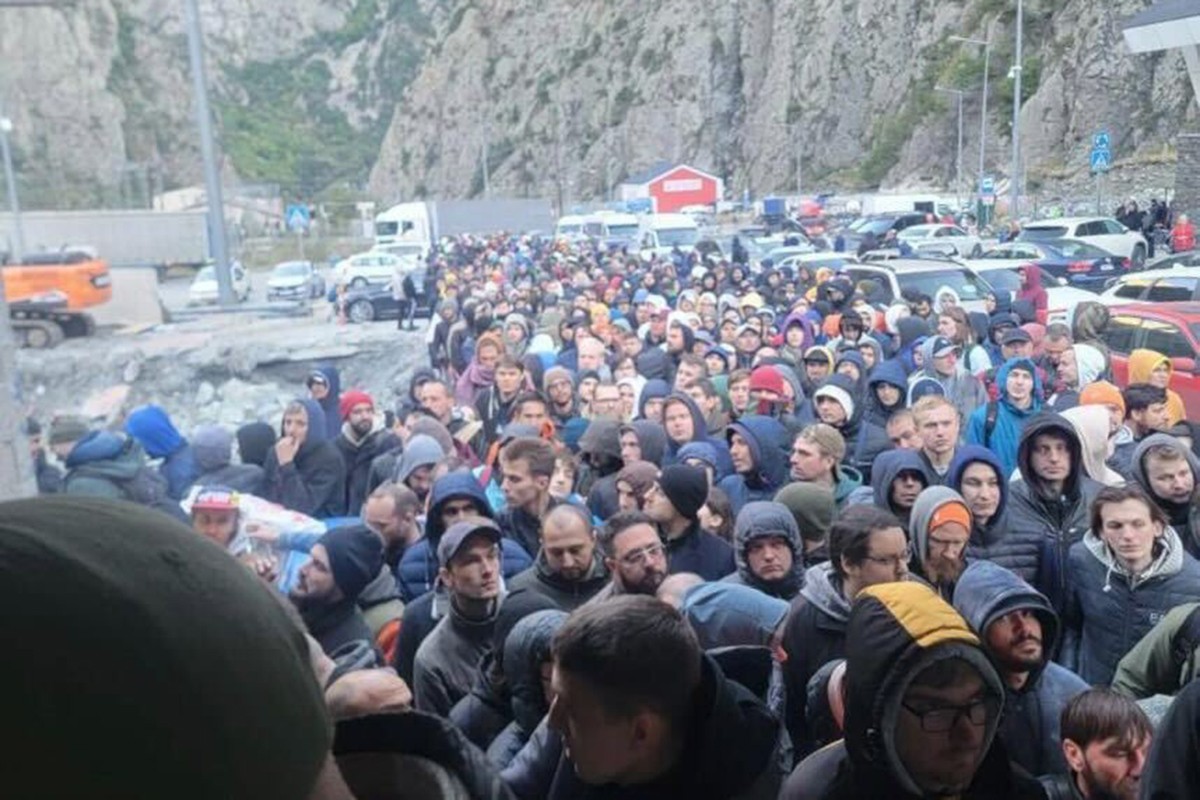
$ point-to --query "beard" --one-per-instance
(361, 429)
(648, 584)
(942, 569)
(1127, 789)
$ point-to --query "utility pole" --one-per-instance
(983, 105)
(10, 178)
(212, 177)
(958, 151)
(1015, 179)
(799, 163)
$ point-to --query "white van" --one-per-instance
(660, 233)
(612, 227)
(570, 228)
(404, 225)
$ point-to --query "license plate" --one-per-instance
(1106, 267)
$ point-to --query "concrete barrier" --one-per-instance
(134, 300)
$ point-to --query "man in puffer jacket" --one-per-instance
(155, 432)
(758, 447)
(768, 549)
(213, 448)
(1170, 474)
(1020, 633)
(1053, 497)
(975, 473)
(923, 708)
(526, 650)
(1126, 574)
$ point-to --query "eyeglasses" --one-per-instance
(643, 555)
(891, 561)
(940, 720)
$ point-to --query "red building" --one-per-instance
(671, 187)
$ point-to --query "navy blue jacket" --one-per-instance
(769, 443)
(1018, 548)
(702, 553)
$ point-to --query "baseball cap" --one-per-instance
(216, 498)
(747, 327)
(1016, 335)
(458, 533)
(943, 347)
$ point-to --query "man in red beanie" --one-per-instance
(361, 440)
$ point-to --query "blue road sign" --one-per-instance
(987, 185)
(1101, 141)
(297, 218)
(1101, 160)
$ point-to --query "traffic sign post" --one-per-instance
(987, 199)
(1100, 162)
(297, 219)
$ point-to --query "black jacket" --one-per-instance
(524, 528)
(335, 625)
(1173, 768)
(1016, 548)
(567, 595)
(729, 752)
(314, 483)
(700, 552)
(358, 459)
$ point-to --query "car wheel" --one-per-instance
(1139, 257)
(361, 311)
(358, 283)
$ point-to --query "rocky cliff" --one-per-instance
(564, 99)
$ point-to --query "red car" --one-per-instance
(1172, 329)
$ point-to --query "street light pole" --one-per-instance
(10, 178)
(1014, 179)
(958, 152)
(983, 106)
(212, 178)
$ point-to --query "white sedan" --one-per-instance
(203, 290)
(373, 267)
(963, 243)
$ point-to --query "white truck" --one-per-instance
(661, 233)
(410, 228)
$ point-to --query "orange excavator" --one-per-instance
(48, 293)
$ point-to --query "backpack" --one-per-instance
(1183, 646)
(989, 422)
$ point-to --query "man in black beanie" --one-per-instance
(197, 684)
(343, 562)
(674, 503)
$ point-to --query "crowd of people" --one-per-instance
(675, 528)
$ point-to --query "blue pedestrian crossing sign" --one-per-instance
(1101, 160)
(1101, 141)
(297, 218)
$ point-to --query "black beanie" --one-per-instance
(355, 557)
(686, 487)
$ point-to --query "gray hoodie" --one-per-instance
(1184, 517)
(420, 451)
(928, 502)
(212, 446)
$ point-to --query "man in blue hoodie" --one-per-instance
(304, 471)
(758, 449)
(997, 425)
(976, 474)
(155, 432)
(1019, 632)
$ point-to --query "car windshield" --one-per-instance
(967, 286)
(1002, 280)
(878, 226)
(1072, 249)
(684, 237)
(623, 231)
(291, 268)
(206, 274)
(387, 228)
(569, 229)
(1042, 233)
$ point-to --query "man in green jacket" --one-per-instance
(1166, 659)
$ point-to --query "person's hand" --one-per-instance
(265, 567)
(368, 691)
(262, 531)
(286, 449)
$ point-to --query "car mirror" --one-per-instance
(1183, 365)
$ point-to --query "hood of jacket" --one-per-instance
(910, 329)
(1043, 423)
(1168, 561)
(419, 451)
(654, 388)
(1138, 467)
(759, 519)
(987, 591)
(652, 439)
(887, 372)
(895, 632)
(1002, 384)
(653, 364)
(317, 430)
(1142, 362)
(602, 438)
(731, 615)
(811, 505)
(254, 440)
(1091, 319)
(887, 467)
(1090, 363)
(965, 457)
(1091, 426)
(526, 648)
(768, 441)
(927, 503)
(456, 485)
(106, 454)
(154, 431)
(823, 588)
(699, 425)
(213, 447)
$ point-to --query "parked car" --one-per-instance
(203, 290)
(1173, 330)
(900, 276)
(1175, 285)
(370, 303)
(814, 261)
(964, 243)
(373, 266)
(879, 225)
(1066, 262)
(1103, 232)
(295, 280)
(1060, 300)
(1184, 258)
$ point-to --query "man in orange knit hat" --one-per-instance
(938, 532)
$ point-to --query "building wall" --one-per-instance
(683, 187)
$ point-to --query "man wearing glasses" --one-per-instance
(866, 546)
(923, 706)
(940, 530)
(634, 555)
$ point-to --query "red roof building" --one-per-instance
(671, 187)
